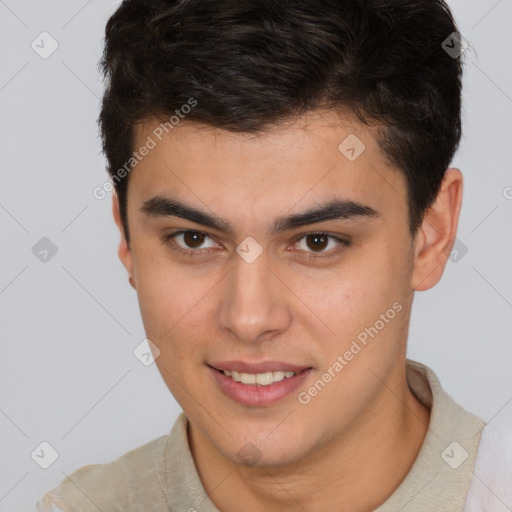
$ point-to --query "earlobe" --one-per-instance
(124, 252)
(436, 237)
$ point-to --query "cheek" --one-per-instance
(164, 294)
(354, 296)
(369, 278)
(175, 304)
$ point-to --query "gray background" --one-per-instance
(68, 375)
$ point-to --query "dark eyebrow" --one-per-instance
(160, 206)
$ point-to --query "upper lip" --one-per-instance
(260, 367)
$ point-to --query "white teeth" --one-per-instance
(259, 379)
(278, 376)
(248, 378)
(264, 379)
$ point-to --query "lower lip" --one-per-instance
(250, 394)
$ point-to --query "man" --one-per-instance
(282, 190)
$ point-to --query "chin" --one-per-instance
(258, 456)
(265, 448)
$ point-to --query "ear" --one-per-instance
(436, 236)
(124, 252)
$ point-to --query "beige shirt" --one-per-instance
(161, 475)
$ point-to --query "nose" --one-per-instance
(255, 301)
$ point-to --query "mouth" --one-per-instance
(258, 384)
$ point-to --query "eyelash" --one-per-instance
(330, 254)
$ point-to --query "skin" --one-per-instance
(349, 448)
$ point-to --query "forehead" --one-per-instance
(302, 160)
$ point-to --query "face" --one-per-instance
(325, 296)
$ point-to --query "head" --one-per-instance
(235, 120)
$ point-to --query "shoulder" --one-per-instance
(135, 478)
(491, 486)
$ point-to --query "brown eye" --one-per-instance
(315, 245)
(319, 241)
(193, 239)
(188, 242)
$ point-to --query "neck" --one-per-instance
(356, 472)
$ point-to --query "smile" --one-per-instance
(258, 379)
(258, 387)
